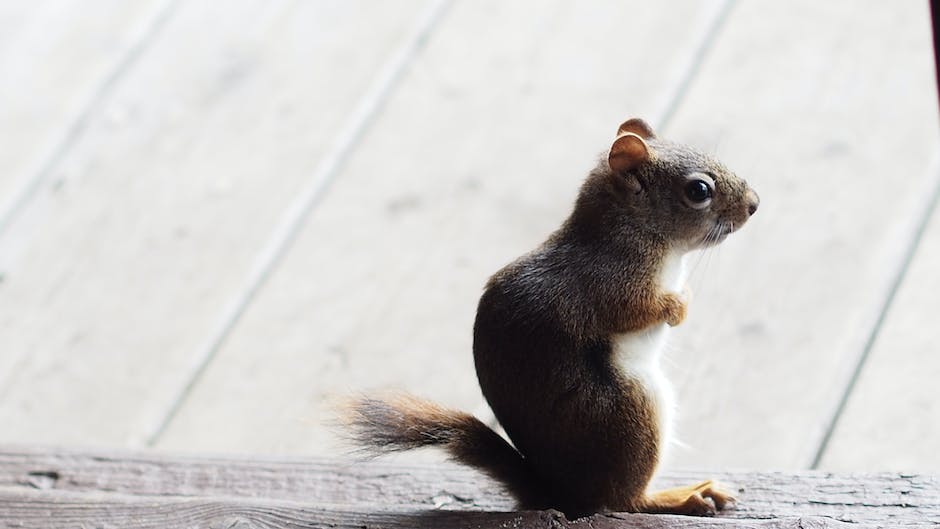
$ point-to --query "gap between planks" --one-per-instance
(919, 226)
(291, 223)
(11, 210)
(690, 67)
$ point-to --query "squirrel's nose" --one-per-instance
(752, 202)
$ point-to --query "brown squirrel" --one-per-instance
(567, 341)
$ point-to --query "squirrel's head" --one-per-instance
(676, 192)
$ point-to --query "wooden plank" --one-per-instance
(475, 160)
(835, 125)
(58, 58)
(322, 480)
(891, 418)
(46, 510)
(890, 499)
(113, 279)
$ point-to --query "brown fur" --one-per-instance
(585, 433)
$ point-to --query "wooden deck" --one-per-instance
(213, 219)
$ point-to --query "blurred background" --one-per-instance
(214, 216)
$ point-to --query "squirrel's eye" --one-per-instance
(698, 191)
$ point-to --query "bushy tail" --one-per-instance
(403, 422)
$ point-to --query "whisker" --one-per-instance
(701, 254)
(715, 235)
(711, 236)
(698, 261)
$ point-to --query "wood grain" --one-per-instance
(475, 160)
(891, 499)
(892, 419)
(123, 266)
(30, 509)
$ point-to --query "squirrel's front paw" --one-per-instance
(674, 308)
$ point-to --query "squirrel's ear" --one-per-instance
(627, 152)
(637, 126)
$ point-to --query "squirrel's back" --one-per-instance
(549, 374)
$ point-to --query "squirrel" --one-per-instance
(567, 341)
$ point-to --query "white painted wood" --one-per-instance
(892, 419)
(56, 59)
(778, 321)
(117, 271)
(476, 159)
(829, 110)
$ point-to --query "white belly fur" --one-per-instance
(637, 354)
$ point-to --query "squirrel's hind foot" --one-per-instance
(703, 499)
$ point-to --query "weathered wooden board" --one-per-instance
(829, 111)
(476, 159)
(56, 60)
(24, 509)
(892, 418)
(124, 264)
(885, 499)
